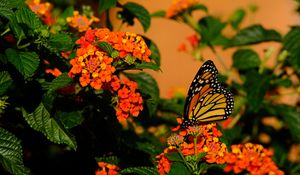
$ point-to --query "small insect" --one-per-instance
(207, 99)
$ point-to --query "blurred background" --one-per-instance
(178, 68)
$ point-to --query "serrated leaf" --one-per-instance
(41, 121)
(61, 42)
(140, 171)
(28, 17)
(5, 82)
(25, 62)
(252, 35)
(140, 13)
(7, 6)
(59, 82)
(292, 45)
(106, 4)
(147, 86)
(211, 29)
(11, 153)
(110, 159)
(236, 18)
(256, 86)
(245, 59)
(160, 13)
(70, 119)
(105, 47)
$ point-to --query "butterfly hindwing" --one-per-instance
(207, 100)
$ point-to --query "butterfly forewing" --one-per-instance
(207, 100)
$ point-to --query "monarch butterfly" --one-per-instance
(207, 100)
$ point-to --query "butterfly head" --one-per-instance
(186, 123)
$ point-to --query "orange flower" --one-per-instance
(81, 22)
(55, 72)
(253, 158)
(175, 140)
(164, 164)
(193, 40)
(107, 169)
(41, 9)
(178, 6)
(129, 102)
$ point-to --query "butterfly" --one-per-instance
(207, 99)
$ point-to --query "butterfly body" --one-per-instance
(207, 99)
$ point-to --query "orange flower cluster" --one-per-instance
(253, 158)
(81, 22)
(41, 9)
(107, 169)
(207, 142)
(129, 102)
(95, 65)
(179, 6)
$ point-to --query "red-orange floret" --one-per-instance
(107, 169)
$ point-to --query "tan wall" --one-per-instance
(178, 69)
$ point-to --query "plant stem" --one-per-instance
(185, 162)
(195, 145)
(6, 31)
(191, 22)
(220, 59)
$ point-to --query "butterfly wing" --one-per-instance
(207, 100)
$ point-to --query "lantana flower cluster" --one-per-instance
(178, 6)
(81, 22)
(253, 158)
(96, 67)
(44, 10)
(129, 101)
(107, 169)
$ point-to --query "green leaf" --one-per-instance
(61, 42)
(199, 7)
(254, 34)
(245, 59)
(174, 156)
(291, 116)
(70, 119)
(284, 82)
(11, 154)
(148, 86)
(256, 86)
(57, 83)
(28, 17)
(155, 54)
(144, 65)
(160, 13)
(178, 168)
(105, 47)
(211, 29)
(67, 12)
(140, 171)
(166, 105)
(106, 4)
(140, 13)
(292, 45)
(7, 6)
(236, 18)
(5, 82)
(111, 159)
(41, 121)
(25, 62)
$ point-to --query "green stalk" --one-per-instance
(191, 22)
(185, 162)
